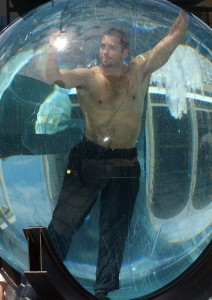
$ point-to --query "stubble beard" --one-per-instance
(106, 65)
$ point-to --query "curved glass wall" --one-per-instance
(40, 123)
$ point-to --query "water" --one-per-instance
(40, 123)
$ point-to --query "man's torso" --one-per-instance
(113, 106)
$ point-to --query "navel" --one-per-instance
(134, 97)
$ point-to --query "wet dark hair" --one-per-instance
(121, 35)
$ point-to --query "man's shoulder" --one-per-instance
(96, 73)
(139, 65)
(91, 78)
(96, 69)
(138, 60)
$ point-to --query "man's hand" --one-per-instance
(159, 55)
(181, 23)
(58, 40)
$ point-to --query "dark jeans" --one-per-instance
(93, 169)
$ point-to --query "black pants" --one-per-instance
(93, 169)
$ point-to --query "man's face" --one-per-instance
(111, 52)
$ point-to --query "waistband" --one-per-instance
(96, 151)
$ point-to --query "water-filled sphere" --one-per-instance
(40, 123)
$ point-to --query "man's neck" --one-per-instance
(114, 71)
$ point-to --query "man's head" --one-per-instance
(114, 48)
(121, 35)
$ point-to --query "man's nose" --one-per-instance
(106, 50)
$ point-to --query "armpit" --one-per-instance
(60, 83)
(140, 59)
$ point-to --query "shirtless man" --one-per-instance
(111, 97)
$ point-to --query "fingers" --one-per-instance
(182, 19)
(183, 16)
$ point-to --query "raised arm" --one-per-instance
(159, 55)
(64, 78)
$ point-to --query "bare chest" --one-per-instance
(111, 91)
(121, 96)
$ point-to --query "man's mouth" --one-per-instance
(106, 58)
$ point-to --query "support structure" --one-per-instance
(48, 275)
(51, 280)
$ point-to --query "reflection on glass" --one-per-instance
(203, 188)
(172, 163)
(42, 122)
(6, 212)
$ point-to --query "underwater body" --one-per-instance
(40, 123)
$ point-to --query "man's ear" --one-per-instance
(125, 53)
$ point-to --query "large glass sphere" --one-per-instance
(41, 122)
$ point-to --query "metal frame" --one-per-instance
(48, 275)
(9, 11)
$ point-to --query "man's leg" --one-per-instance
(117, 204)
(76, 200)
